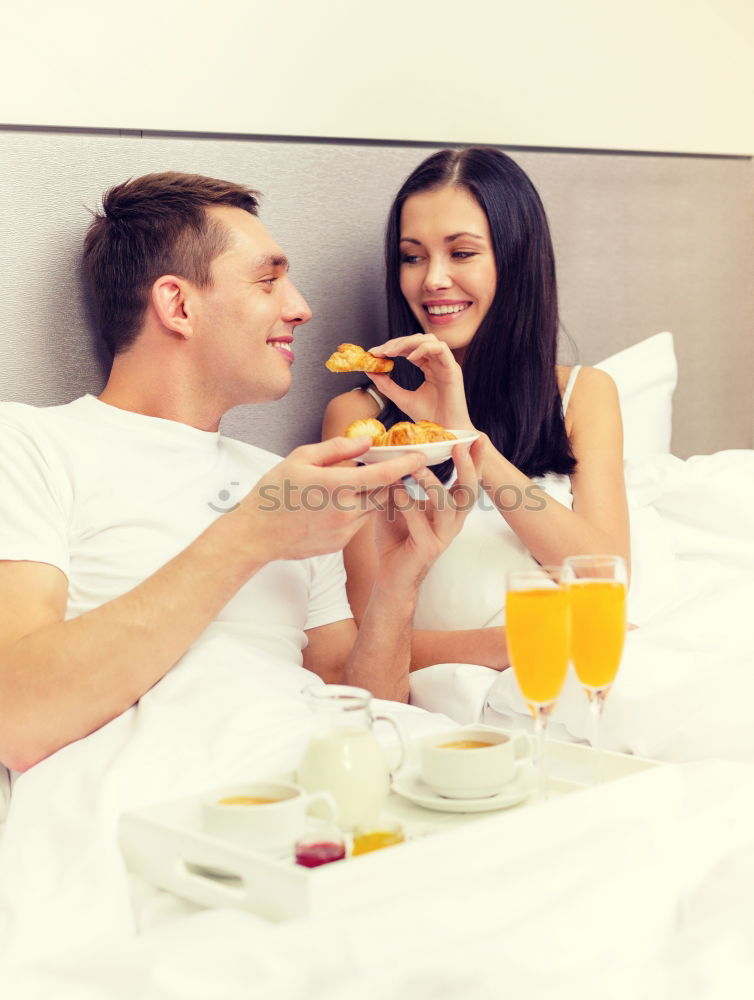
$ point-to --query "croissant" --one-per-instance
(435, 432)
(369, 426)
(403, 433)
(351, 358)
(422, 432)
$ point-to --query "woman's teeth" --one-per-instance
(444, 310)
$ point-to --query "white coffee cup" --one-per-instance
(266, 816)
(454, 767)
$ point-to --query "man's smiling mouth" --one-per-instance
(282, 346)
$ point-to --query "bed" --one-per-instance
(639, 889)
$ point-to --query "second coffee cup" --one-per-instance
(472, 761)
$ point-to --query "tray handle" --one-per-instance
(223, 881)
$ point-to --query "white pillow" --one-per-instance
(646, 375)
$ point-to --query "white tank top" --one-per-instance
(465, 588)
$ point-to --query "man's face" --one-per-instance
(243, 323)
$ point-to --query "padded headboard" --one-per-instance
(644, 243)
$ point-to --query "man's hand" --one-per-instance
(441, 396)
(309, 505)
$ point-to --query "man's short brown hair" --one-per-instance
(150, 226)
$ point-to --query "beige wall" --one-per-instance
(662, 75)
(643, 244)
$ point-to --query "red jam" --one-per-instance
(313, 855)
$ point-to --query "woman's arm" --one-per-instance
(482, 645)
(598, 522)
(485, 645)
(344, 409)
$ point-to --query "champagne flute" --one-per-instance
(596, 587)
(537, 632)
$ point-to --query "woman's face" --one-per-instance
(447, 270)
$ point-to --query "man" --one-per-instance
(117, 557)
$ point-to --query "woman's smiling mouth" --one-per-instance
(444, 312)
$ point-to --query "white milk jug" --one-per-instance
(343, 756)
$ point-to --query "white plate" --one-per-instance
(411, 787)
(435, 451)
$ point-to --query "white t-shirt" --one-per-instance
(465, 586)
(109, 496)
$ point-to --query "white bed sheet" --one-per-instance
(637, 889)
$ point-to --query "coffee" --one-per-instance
(266, 816)
(465, 745)
(452, 773)
(245, 800)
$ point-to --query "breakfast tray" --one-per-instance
(166, 845)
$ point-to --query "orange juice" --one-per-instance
(537, 631)
(598, 628)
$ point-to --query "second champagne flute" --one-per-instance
(537, 631)
(596, 587)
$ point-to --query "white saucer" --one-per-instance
(410, 786)
(434, 451)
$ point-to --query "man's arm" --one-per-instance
(61, 680)
(410, 534)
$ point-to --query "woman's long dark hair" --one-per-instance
(509, 366)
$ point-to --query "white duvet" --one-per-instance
(637, 889)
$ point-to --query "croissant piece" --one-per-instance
(422, 432)
(435, 432)
(352, 358)
(369, 426)
(403, 433)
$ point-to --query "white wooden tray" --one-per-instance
(166, 845)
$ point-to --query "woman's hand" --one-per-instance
(441, 396)
(411, 533)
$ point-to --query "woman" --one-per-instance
(470, 263)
